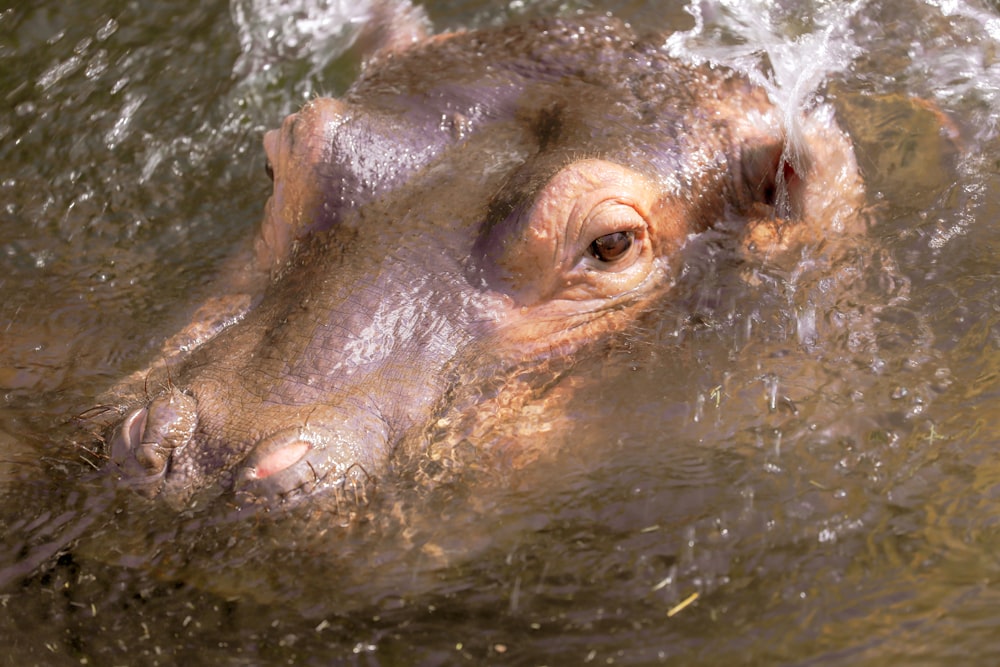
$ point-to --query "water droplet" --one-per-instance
(107, 30)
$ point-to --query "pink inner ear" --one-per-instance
(790, 175)
(280, 459)
(774, 180)
(793, 184)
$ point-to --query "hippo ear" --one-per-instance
(802, 189)
(774, 181)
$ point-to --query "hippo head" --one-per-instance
(476, 211)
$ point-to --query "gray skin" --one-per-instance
(478, 210)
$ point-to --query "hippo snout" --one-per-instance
(176, 445)
(145, 440)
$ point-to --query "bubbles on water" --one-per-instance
(59, 71)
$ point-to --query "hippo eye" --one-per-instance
(269, 170)
(611, 247)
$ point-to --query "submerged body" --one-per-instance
(476, 212)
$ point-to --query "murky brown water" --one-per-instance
(809, 450)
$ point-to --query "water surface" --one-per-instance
(803, 453)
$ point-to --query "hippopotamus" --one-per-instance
(479, 209)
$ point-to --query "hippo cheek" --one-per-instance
(300, 460)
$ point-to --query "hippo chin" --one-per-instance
(479, 209)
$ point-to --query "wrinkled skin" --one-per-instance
(479, 209)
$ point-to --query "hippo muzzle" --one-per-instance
(296, 460)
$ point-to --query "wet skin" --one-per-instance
(479, 209)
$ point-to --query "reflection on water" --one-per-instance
(808, 448)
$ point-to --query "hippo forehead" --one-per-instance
(591, 86)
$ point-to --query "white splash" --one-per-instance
(788, 56)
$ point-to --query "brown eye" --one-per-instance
(611, 247)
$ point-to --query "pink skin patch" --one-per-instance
(280, 459)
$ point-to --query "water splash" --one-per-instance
(789, 54)
(315, 30)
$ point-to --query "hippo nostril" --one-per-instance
(275, 466)
(275, 455)
(298, 459)
(128, 436)
(143, 443)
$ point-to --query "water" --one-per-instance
(809, 449)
